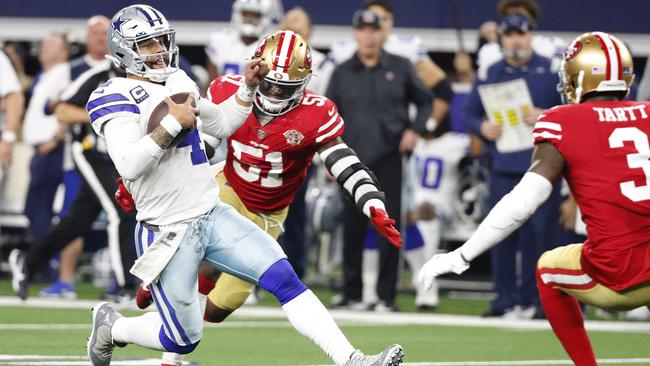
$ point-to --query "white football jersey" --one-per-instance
(182, 185)
(410, 47)
(434, 165)
(227, 51)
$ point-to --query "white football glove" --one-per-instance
(441, 264)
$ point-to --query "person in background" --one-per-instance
(43, 133)
(13, 106)
(516, 291)
(228, 49)
(373, 90)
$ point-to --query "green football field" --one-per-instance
(31, 334)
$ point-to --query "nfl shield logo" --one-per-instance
(261, 134)
(293, 137)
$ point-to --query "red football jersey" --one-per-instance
(266, 164)
(606, 149)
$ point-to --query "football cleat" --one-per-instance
(18, 273)
(143, 297)
(100, 344)
(391, 356)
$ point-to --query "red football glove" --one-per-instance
(384, 226)
(123, 197)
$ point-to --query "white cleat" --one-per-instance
(391, 356)
(100, 344)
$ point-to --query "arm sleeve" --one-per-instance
(420, 96)
(222, 120)
(508, 214)
(132, 153)
(443, 90)
(473, 112)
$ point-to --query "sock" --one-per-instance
(142, 330)
(369, 275)
(416, 258)
(206, 284)
(564, 315)
(310, 318)
(172, 359)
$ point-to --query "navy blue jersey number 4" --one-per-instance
(193, 140)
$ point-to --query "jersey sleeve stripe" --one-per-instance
(114, 109)
(548, 126)
(546, 135)
(331, 133)
(105, 100)
(329, 123)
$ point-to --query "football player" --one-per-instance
(435, 172)
(269, 155)
(229, 49)
(180, 217)
(599, 143)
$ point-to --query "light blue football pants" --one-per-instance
(221, 237)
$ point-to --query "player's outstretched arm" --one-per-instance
(222, 120)
(508, 214)
(361, 186)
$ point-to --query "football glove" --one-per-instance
(123, 197)
(384, 225)
(441, 264)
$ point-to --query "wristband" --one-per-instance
(246, 92)
(8, 136)
(170, 124)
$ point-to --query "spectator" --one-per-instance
(373, 90)
(507, 168)
(13, 104)
(42, 132)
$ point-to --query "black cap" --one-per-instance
(365, 17)
(518, 22)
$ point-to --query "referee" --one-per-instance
(94, 196)
(373, 91)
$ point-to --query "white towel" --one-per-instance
(155, 258)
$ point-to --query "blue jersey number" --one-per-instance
(193, 140)
(431, 172)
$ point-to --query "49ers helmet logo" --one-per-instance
(293, 137)
(260, 48)
(572, 50)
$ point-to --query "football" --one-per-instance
(161, 111)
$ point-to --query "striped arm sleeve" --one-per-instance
(106, 107)
(356, 180)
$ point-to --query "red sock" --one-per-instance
(205, 284)
(564, 315)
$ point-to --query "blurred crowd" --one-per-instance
(442, 161)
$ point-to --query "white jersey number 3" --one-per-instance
(253, 173)
(640, 159)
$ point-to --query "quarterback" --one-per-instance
(599, 143)
(181, 220)
(268, 158)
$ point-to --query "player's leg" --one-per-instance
(422, 244)
(562, 283)
(241, 248)
(178, 325)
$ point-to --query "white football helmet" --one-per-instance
(270, 13)
(133, 25)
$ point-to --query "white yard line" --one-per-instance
(368, 318)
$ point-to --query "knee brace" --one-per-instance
(281, 280)
(171, 346)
